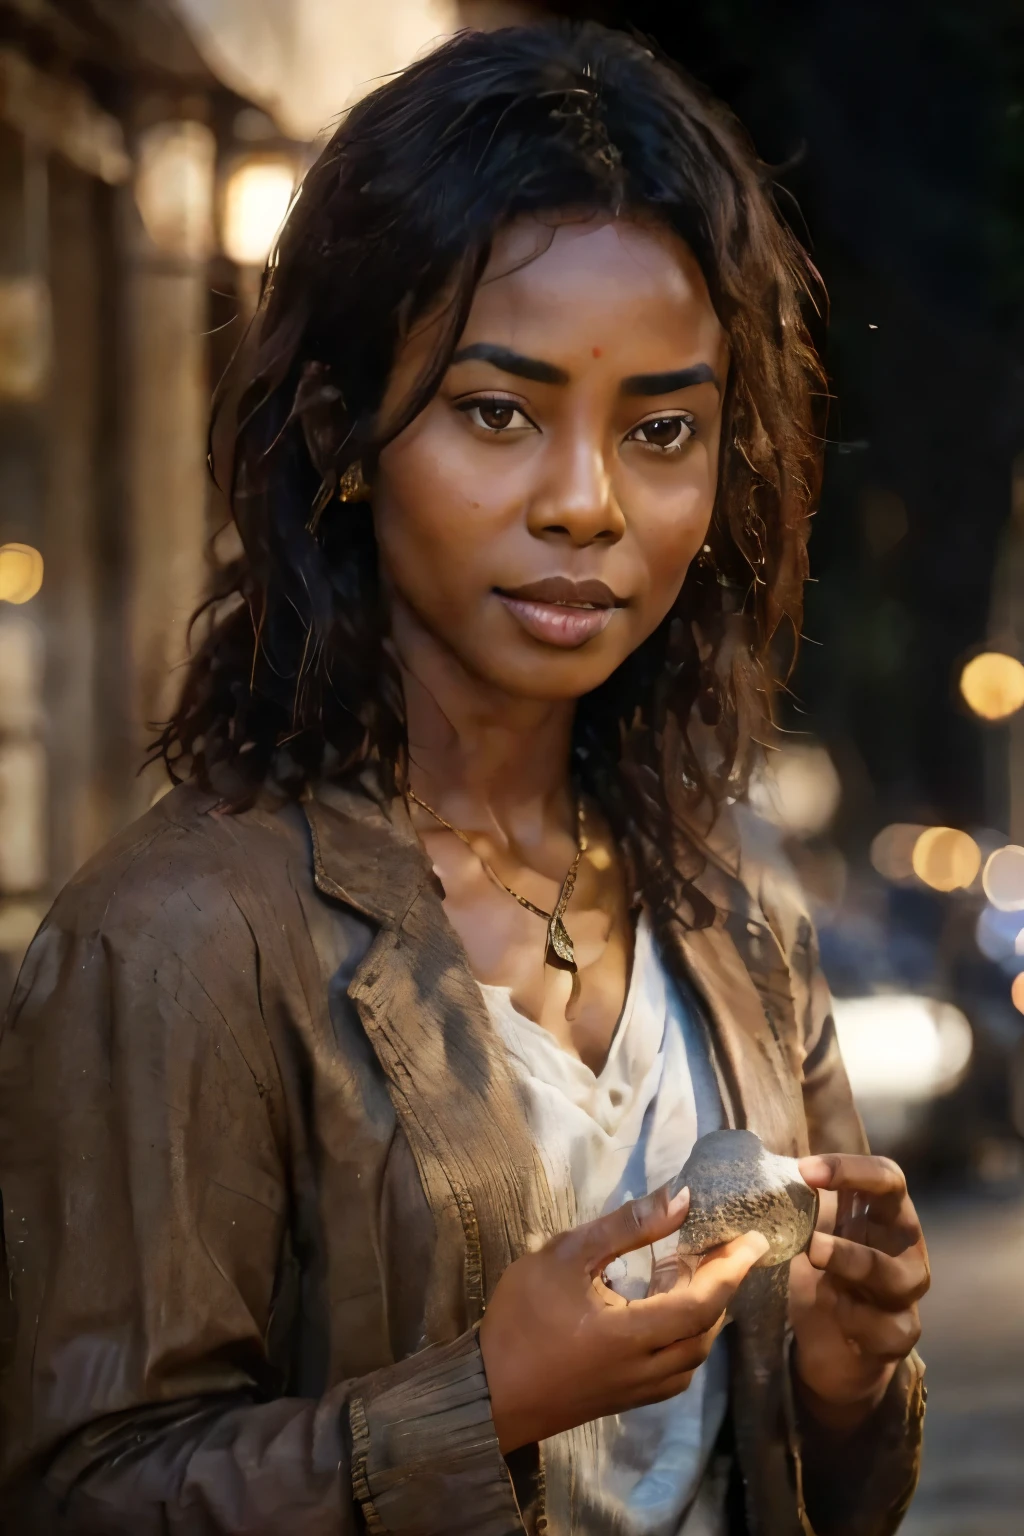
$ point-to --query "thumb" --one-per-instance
(636, 1224)
(720, 1271)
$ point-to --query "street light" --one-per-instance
(257, 196)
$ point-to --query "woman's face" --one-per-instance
(539, 516)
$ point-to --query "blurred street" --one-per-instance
(973, 1477)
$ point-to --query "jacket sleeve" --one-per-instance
(861, 1484)
(143, 1165)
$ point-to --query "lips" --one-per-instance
(560, 611)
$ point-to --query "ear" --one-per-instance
(319, 407)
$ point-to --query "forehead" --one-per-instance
(615, 284)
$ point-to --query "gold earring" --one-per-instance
(352, 486)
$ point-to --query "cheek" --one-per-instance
(432, 530)
(670, 531)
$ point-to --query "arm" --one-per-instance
(858, 1479)
(143, 1165)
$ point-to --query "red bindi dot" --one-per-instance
(597, 351)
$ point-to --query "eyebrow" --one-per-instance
(512, 362)
(668, 383)
(539, 372)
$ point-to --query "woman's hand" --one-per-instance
(560, 1348)
(854, 1295)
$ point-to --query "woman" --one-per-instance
(412, 999)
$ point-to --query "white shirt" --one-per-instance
(611, 1137)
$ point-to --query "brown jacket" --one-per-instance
(263, 1162)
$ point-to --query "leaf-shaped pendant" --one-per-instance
(560, 942)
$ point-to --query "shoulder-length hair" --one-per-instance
(292, 680)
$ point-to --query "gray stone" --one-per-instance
(736, 1185)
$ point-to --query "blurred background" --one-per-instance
(148, 152)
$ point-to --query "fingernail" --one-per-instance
(680, 1203)
(820, 1249)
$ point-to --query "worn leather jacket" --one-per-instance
(263, 1162)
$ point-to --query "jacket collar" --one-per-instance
(366, 852)
(450, 1078)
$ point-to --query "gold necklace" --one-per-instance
(559, 951)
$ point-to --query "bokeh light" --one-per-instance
(892, 851)
(1000, 937)
(21, 573)
(1017, 992)
(993, 685)
(899, 1046)
(946, 859)
(1003, 879)
(798, 789)
(174, 184)
(256, 200)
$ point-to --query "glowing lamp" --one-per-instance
(993, 685)
(21, 573)
(174, 187)
(257, 197)
(946, 859)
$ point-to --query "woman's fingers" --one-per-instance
(636, 1224)
(878, 1178)
(696, 1302)
(881, 1335)
(683, 1355)
(891, 1283)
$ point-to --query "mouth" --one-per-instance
(560, 611)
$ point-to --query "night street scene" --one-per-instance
(459, 914)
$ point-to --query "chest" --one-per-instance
(503, 928)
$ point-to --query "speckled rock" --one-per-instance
(736, 1185)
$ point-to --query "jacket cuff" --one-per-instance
(861, 1484)
(425, 1455)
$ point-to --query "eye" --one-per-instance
(665, 434)
(496, 416)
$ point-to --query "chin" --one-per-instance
(566, 675)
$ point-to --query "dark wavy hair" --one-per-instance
(291, 679)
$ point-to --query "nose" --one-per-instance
(576, 502)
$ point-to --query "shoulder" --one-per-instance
(184, 910)
(183, 858)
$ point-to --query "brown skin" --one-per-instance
(502, 481)
(853, 1297)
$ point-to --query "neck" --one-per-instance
(480, 756)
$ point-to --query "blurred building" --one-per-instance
(113, 135)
